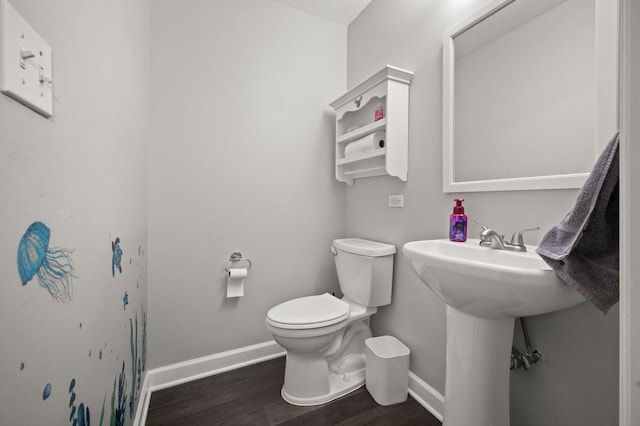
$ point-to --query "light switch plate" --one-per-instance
(25, 62)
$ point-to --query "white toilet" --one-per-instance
(323, 335)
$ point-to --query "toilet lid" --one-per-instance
(309, 312)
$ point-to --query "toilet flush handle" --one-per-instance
(334, 251)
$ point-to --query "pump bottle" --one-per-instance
(458, 223)
(379, 112)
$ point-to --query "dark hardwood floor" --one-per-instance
(251, 396)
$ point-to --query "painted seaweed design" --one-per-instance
(134, 376)
(83, 418)
(112, 420)
(80, 415)
(144, 339)
(139, 375)
(102, 412)
(119, 411)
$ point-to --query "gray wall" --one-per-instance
(630, 207)
(577, 383)
(241, 159)
(83, 174)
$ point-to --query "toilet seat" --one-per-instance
(309, 312)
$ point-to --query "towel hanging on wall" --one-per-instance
(583, 248)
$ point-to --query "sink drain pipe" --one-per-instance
(524, 360)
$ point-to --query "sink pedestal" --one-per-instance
(485, 291)
(477, 376)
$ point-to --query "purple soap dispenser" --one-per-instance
(458, 222)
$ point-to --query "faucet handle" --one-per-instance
(486, 239)
(484, 228)
(483, 240)
(516, 238)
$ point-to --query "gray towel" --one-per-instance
(583, 248)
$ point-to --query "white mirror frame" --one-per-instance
(607, 54)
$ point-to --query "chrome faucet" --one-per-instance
(490, 238)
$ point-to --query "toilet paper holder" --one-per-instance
(236, 257)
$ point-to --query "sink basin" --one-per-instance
(487, 282)
(485, 290)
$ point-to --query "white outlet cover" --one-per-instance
(28, 80)
(396, 200)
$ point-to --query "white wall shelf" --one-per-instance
(355, 112)
(356, 158)
(362, 131)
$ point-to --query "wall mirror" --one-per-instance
(530, 94)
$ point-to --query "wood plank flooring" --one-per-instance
(251, 396)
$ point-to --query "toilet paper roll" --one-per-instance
(235, 282)
(368, 143)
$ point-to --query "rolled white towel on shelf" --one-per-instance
(368, 143)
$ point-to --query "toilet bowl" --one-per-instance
(323, 335)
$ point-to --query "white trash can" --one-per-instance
(387, 369)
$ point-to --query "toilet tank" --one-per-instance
(365, 270)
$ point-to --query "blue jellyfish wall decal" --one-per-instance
(53, 266)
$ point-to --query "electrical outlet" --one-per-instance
(396, 200)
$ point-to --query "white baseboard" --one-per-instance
(426, 396)
(194, 369)
(198, 368)
(143, 402)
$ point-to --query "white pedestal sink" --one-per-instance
(485, 291)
